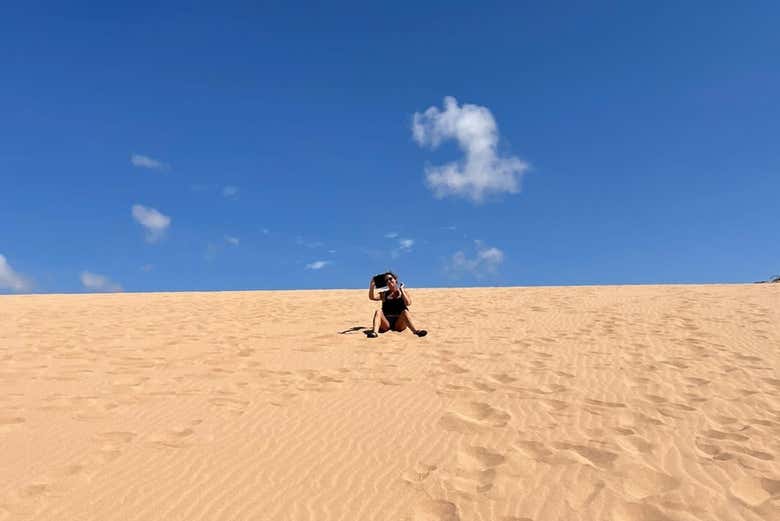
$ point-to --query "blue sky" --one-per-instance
(237, 146)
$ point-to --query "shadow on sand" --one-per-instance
(354, 329)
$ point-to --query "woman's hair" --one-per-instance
(395, 277)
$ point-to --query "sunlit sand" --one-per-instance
(572, 403)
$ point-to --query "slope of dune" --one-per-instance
(579, 403)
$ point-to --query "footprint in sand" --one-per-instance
(71, 471)
(174, 438)
(476, 472)
(397, 381)
(479, 385)
(599, 458)
(640, 481)
(435, 510)
(34, 490)
(317, 382)
(21, 501)
(635, 444)
(470, 482)
(111, 445)
(418, 474)
(8, 422)
(453, 368)
(479, 458)
(754, 491)
(534, 450)
(473, 417)
(503, 378)
(706, 448)
(119, 437)
(230, 405)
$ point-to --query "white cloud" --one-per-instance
(230, 192)
(95, 282)
(485, 262)
(142, 161)
(308, 244)
(211, 252)
(481, 172)
(153, 221)
(234, 241)
(391, 235)
(317, 265)
(9, 279)
(404, 246)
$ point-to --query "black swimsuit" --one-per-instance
(392, 309)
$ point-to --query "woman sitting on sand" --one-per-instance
(394, 313)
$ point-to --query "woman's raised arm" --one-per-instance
(371, 294)
(405, 295)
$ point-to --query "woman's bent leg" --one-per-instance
(381, 323)
(405, 320)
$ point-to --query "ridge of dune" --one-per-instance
(614, 403)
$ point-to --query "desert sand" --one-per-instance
(574, 403)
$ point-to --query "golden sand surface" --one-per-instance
(574, 403)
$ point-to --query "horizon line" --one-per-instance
(291, 290)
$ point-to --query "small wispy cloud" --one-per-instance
(10, 279)
(211, 252)
(147, 268)
(300, 241)
(317, 265)
(404, 246)
(230, 192)
(482, 171)
(150, 163)
(391, 235)
(233, 241)
(484, 263)
(154, 222)
(95, 282)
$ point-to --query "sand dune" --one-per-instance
(625, 403)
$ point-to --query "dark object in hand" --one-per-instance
(379, 280)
